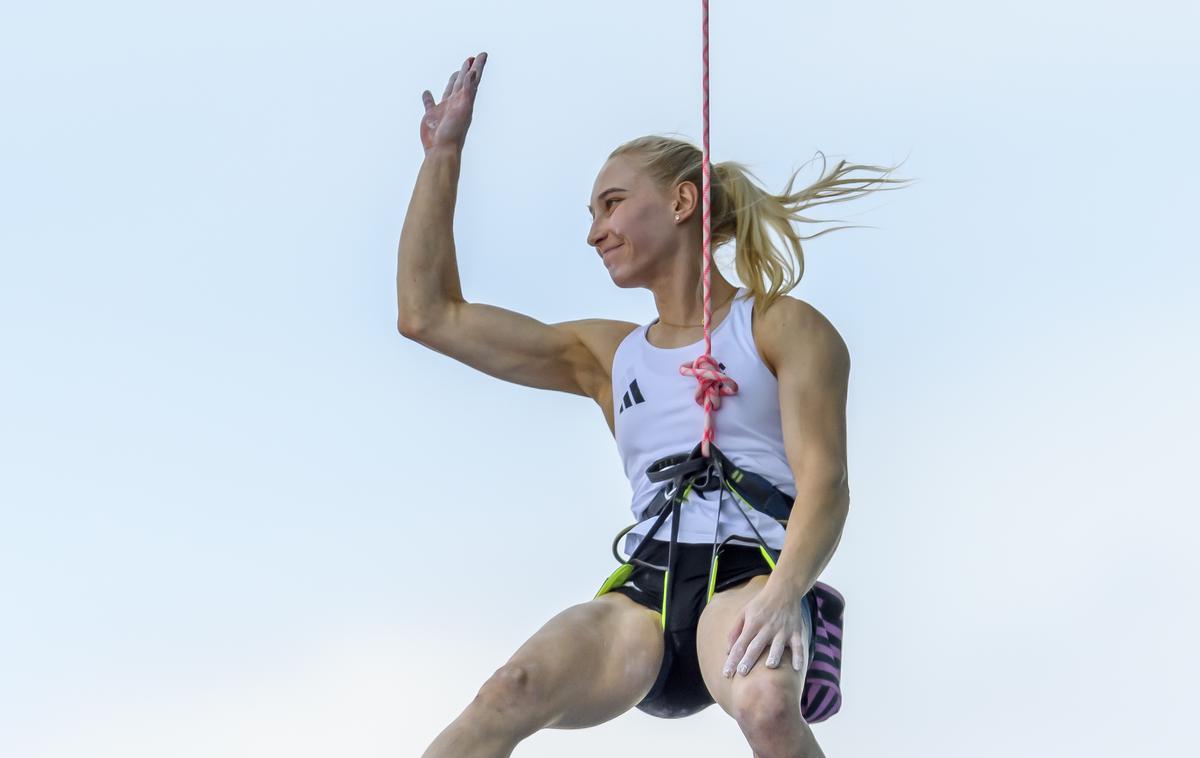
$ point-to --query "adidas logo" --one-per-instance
(636, 396)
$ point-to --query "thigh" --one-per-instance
(590, 663)
(712, 648)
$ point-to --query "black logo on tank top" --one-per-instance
(633, 395)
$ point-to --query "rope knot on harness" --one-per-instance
(712, 384)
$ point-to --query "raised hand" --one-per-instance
(445, 124)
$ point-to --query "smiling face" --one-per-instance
(633, 223)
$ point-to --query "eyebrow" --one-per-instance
(602, 194)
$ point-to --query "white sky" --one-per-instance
(241, 516)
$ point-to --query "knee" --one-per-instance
(762, 707)
(512, 690)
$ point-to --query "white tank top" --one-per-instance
(656, 414)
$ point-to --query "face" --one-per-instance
(633, 223)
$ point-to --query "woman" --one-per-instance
(596, 660)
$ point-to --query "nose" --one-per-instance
(595, 233)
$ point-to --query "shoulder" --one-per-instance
(602, 337)
(797, 333)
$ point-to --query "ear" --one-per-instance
(686, 200)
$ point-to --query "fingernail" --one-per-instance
(727, 672)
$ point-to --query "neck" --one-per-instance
(679, 287)
(684, 308)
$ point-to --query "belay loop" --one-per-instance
(704, 474)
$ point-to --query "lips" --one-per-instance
(614, 247)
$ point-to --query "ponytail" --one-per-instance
(743, 210)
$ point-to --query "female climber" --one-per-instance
(758, 635)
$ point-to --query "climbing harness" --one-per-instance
(688, 472)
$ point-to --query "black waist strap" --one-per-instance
(751, 488)
(684, 472)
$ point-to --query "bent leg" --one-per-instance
(765, 702)
(587, 665)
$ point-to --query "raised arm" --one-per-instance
(427, 272)
(427, 282)
(430, 303)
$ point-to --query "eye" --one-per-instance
(610, 200)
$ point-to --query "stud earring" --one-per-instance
(676, 216)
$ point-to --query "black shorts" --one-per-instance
(679, 689)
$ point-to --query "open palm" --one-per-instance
(445, 124)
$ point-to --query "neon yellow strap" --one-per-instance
(712, 577)
(616, 578)
(666, 588)
(767, 555)
(739, 495)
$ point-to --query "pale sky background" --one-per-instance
(240, 516)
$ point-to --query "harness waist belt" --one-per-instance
(753, 489)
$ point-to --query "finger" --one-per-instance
(476, 71)
(735, 654)
(462, 74)
(736, 631)
(736, 646)
(449, 86)
(797, 651)
(775, 654)
(427, 98)
(751, 657)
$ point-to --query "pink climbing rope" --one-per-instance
(712, 382)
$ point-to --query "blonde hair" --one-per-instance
(742, 210)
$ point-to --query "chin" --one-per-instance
(622, 281)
